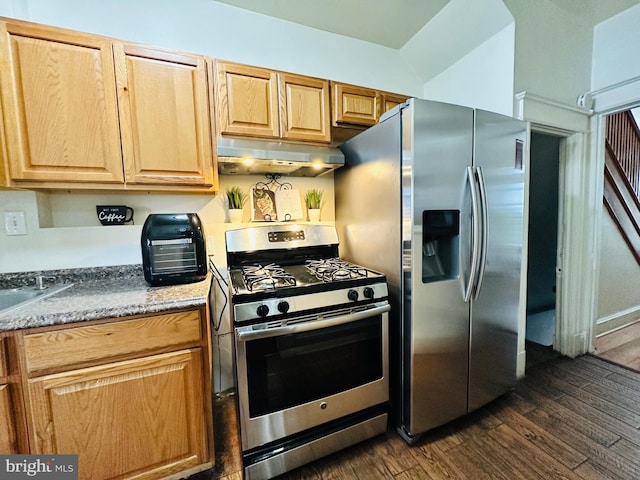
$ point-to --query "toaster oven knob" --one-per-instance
(368, 292)
(262, 311)
(283, 307)
(353, 295)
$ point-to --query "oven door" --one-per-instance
(310, 371)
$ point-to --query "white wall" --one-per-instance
(615, 77)
(454, 32)
(619, 274)
(482, 79)
(615, 46)
(552, 50)
(229, 33)
(466, 61)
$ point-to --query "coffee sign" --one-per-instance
(114, 214)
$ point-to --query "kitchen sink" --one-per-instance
(12, 298)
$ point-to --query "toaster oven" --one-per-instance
(173, 249)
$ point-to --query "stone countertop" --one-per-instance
(99, 293)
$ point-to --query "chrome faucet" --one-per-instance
(40, 279)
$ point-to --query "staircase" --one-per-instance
(622, 177)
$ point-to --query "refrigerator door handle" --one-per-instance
(484, 230)
(475, 233)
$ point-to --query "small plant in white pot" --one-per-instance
(237, 198)
(313, 200)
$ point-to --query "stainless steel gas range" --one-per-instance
(311, 346)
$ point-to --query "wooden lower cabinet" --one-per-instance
(11, 440)
(131, 397)
(139, 418)
(8, 439)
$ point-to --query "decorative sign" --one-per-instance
(263, 205)
(288, 205)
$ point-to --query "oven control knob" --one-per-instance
(352, 295)
(283, 307)
(262, 311)
(368, 292)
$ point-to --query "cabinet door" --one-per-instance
(4, 159)
(8, 439)
(246, 100)
(304, 108)
(354, 105)
(390, 100)
(164, 116)
(59, 101)
(140, 418)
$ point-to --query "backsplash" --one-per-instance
(63, 230)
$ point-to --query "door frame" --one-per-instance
(579, 213)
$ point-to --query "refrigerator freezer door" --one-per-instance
(437, 148)
(368, 201)
(494, 325)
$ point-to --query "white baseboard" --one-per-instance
(521, 363)
(617, 320)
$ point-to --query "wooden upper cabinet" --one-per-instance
(354, 105)
(390, 100)
(258, 102)
(59, 105)
(4, 163)
(304, 108)
(165, 119)
(246, 100)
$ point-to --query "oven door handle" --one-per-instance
(311, 325)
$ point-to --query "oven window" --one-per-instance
(294, 369)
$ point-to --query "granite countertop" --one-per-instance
(98, 293)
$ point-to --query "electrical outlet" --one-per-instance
(15, 223)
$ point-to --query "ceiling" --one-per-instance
(390, 23)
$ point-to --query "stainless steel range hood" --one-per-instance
(250, 156)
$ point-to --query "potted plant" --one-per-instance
(313, 199)
(237, 198)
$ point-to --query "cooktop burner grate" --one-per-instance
(333, 269)
(266, 277)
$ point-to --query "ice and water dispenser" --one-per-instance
(440, 245)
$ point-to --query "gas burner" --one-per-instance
(333, 269)
(266, 277)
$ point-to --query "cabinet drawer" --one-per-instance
(86, 344)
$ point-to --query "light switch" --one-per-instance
(15, 223)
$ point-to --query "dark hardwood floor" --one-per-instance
(568, 419)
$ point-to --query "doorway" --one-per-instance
(617, 330)
(543, 246)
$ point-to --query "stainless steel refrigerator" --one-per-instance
(433, 197)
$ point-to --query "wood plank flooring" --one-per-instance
(621, 346)
(568, 419)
